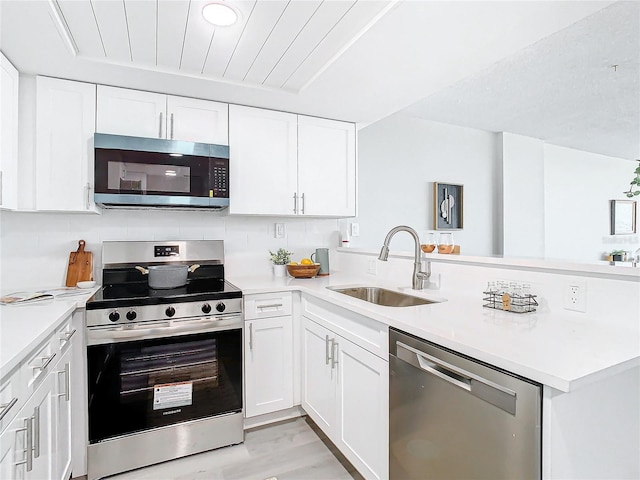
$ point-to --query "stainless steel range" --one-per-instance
(164, 365)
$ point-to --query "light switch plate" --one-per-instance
(355, 229)
(279, 230)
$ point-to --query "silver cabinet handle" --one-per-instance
(6, 407)
(88, 204)
(160, 132)
(172, 126)
(66, 382)
(295, 202)
(334, 353)
(326, 350)
(28, 428)
(251, 336)
(67, 337)
(1, 187)
(36, 432)
(302, 202)
(45, 362)
(271, 305)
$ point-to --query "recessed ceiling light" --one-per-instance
(219, 14)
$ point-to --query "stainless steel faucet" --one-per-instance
(419, 277)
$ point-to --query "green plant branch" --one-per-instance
(634, 185)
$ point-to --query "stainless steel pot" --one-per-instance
(167, 276)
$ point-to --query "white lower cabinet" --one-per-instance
(345, 392)
(27, 444)
(62, 384)
(268, 365)
(268, 353)
(36, 444)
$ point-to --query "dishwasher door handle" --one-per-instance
(502, 397)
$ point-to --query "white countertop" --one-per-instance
(560, 350)
(23, 327)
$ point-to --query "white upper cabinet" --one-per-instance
(263, 161)
(194, 120)
(287, 164)
(131, 112)
(135, 113)
(8, 135)
(327, 166)
(65, 124)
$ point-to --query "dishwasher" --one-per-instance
(453, 417)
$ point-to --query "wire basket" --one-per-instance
(510, 302)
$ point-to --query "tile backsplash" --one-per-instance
(35, 246)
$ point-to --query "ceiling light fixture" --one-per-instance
(219, 14)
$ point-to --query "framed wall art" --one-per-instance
(448, 203)
(623, 217)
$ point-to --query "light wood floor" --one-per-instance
(290, 450)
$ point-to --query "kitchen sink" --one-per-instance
(382, 296)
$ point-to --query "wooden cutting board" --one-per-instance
(80, 267)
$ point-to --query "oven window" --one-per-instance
(136, 386)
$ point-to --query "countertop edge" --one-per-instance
(546, 378)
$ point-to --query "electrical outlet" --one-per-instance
(355, 229)
(575, 296)
(279, 230)
(372, 267)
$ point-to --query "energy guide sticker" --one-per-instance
(170, 395)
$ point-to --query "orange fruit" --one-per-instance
(293, 263)
(306, 261)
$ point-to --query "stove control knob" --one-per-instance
(206, 308)
(170, 311)
(114, 316)
(131, 315)
(220, 307)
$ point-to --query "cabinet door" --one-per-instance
(194, 120)
(363, 409)
(9, 135)
(62, 389)
(34, 422)
(131, 112)
(263, 161)
(318, 376)
(65, 124)
(326, 166)
(268, 365)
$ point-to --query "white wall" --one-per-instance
(34, 247)
(400, 157)
(523, 196)
(578, 188)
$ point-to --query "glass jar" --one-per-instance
(445, 242)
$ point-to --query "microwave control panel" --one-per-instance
(219, 178)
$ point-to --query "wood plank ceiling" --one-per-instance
(276, 44)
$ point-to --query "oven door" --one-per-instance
(137, 384)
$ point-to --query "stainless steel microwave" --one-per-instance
(133, 171)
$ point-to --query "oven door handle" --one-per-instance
(96, 336)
